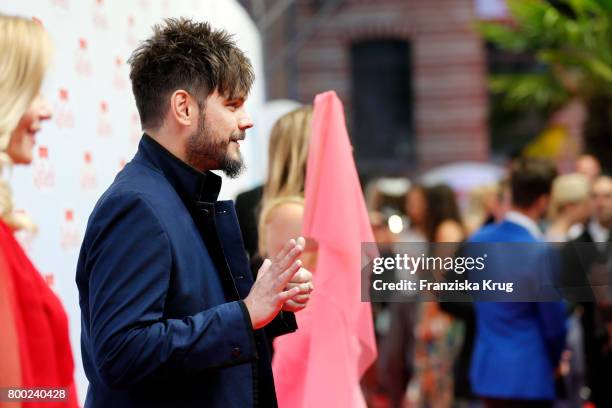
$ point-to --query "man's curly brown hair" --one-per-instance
(183, 54)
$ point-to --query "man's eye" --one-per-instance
(234, 104)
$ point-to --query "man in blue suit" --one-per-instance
(518, 344)
(170, 314)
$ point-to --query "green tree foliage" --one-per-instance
(572, 40)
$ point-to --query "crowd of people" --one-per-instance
(454, 354)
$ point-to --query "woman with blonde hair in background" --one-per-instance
(485, 205)
(283, 194)
(570, 209)
(34, 345)
(569, 205)
(324, 361)
(282, 216)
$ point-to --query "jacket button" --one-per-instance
(236, 352)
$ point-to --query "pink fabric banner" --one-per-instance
(321, 364)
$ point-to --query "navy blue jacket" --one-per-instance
(518, 344)
(161, 275)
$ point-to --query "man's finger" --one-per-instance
(292, 306)
(301, 298)
(282, 297)
(263, 268)
(305, 287)
(291, 257)
(283, 252)
(301, 242)
(283, 279)
(303, 276)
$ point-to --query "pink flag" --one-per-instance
(321, 364)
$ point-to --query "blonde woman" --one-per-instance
(283, 194)
(481, 206)
(281, 218)
(569, 205)
(34, 344)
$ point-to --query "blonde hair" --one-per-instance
(287, 156)
(25, 52)
(568, 189)
(476, 213)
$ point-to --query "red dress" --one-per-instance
(34, 321)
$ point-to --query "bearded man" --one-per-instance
(171, 316)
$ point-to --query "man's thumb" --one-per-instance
(263, 268)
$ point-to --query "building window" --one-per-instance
(382, 103)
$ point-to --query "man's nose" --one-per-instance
(245, 122)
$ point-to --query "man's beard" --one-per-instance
(203, 152)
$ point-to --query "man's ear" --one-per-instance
(181, 107)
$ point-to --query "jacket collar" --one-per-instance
(527, 223)
(191, 184)
(598, 233)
